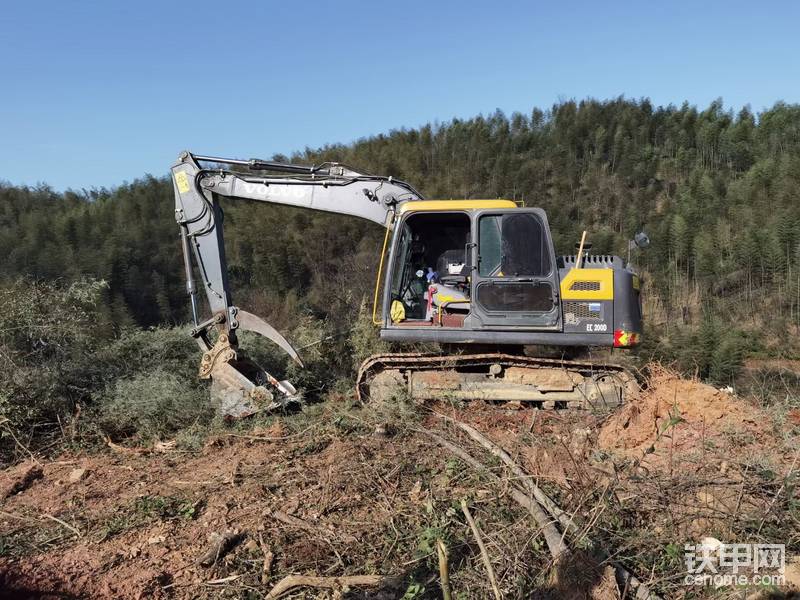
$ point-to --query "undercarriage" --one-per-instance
(496, 377)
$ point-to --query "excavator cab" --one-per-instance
(486, 272)
(468, 267)
(431, 248)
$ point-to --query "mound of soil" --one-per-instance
(679, 413)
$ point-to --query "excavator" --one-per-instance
(478, 278)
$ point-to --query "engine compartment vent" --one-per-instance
(583, 310)
(591, 261)
(585, 286)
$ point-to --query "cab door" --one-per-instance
(515, 279)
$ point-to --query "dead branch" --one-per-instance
(4, 422)
(42, 516)
(124, 450)
(552, 536)
(269, 557)
(444, 570)
(505, 457)
(281, 516)
(288, 519)
(484, 554)
(63, 524)
(642, 592)
(184, 482)
(262, 438)
(222, 581)
(221, 543)
(780, 491)
(292, 581)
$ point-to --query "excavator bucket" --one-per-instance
(239, 386)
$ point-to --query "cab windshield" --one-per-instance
(513, 245)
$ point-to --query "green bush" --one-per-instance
(56, 356)
(143, 350)
(150, 385)
(48, 336)
(364, 338)
(712, 351)
(152, 404)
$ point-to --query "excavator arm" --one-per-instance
(200, 182)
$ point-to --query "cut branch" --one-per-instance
(625, 577)
(220, 545)
(552, 536)
(484, 554)
(541, 497)
(292, 581)
(444, 570)
(63, 524)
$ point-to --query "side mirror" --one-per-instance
(641, 240)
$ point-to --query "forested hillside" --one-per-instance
(717, 191)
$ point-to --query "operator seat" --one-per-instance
(450, 258)
(452, 292)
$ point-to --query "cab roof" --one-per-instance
(420, 205)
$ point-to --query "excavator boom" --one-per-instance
(200, 182)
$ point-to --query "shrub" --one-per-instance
(47, 339)
(55, 355)
(364, 338)
(152, 404)
(142, 350)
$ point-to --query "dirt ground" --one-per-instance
(340, 490)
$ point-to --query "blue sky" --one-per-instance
(97, 93)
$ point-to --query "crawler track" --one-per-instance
(496, 377)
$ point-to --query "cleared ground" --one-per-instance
(340, 490)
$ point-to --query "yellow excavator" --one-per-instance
(480, 278)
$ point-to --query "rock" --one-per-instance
(579, 440)
(18, 479)
(710, 544)
(382, 430)
(78, 474)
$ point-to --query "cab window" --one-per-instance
(513, 245)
